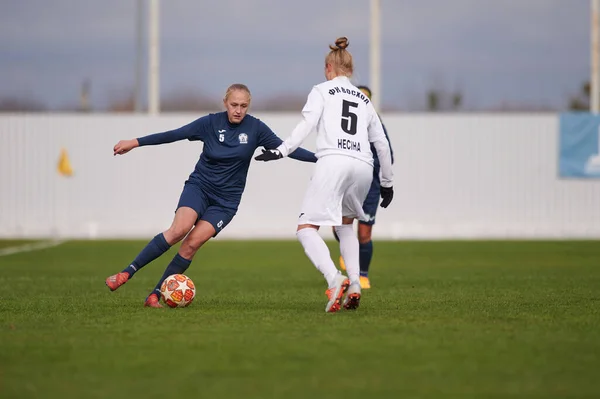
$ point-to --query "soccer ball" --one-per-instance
(178, 291)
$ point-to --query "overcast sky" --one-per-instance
(530, 52)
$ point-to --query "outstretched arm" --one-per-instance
(300, 154)
(270, 141)
(311, 113)
(192, 131)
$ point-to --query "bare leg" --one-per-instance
(182, 223)
(201, 233)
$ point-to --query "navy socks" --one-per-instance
(365, 255)
(177, 266)
(155, 248)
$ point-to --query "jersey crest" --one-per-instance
(243, 137)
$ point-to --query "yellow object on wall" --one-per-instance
(64, 165)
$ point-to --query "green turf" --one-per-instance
(444, 319)
(15, 243)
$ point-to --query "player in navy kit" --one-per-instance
(212, 194)
(365, 227)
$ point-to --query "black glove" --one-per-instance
(269, 155)
(387, 193)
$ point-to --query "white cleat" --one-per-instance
(336, 293)
(352, 300)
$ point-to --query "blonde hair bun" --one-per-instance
(340, 43)
(340, 58)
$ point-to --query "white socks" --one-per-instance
(349, 248)
(318, 253)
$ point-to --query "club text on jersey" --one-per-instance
(355, 93)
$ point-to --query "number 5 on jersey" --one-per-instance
(349, 118)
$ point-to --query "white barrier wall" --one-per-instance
(456, 176)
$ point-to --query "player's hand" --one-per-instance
(387, 193)
(269, 155)
(124, 146)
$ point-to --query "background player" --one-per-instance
(365, 227)
(346, 124)
(212, 194)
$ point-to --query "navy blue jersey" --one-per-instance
(228, 149)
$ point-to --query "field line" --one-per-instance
(34, 246)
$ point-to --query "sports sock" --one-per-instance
(318, 253)
(155, 248)
(178, 265)
(366, 254)
(349, 250)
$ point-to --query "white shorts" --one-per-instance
(338, 188)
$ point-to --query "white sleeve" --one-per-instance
(311, 113)
(382, 146)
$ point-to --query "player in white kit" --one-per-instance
(346, 124)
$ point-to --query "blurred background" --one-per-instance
(487, 104)
(463, 55)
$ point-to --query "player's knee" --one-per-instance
(189, 247)
(186, 250)
(364, 234)
(176, 233)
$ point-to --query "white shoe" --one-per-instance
(352, 300)
(336, 293)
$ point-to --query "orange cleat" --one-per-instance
(152, 302)
(116, 280)
(336, 293)
(365, 284)
(352, 300)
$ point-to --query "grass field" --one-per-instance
(444, 319)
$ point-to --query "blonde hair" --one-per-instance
(340, 58)
(237, 86)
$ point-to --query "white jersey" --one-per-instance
(346, 124)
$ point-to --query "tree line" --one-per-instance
(435, 99)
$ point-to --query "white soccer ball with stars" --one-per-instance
(178, 291)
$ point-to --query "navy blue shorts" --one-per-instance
(372, 201)
(207, 207)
